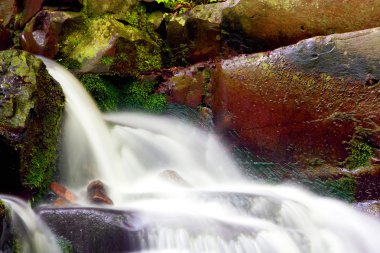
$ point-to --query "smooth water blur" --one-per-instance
(32, 233)
(195, 196)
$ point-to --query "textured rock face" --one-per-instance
(259, 25)
(30, 114)
(306, 101)
(96, 230)
(314, 101)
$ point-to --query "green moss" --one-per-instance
(361, 152)
(147, 58)
(65, 245)
(104, 93)
(37, 103)
(2, 209)
(107, 60)
(139, 96)
(343, 188)
(17, 246)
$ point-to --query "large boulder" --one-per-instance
(260, 25)
(96, 230)
(31, 105)
(313, 102)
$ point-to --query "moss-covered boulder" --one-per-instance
(106, 45)
(8, 17)
(260, 25)
(117, 8)
(31, 105)
(314, 101)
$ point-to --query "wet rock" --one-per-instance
(96, 230)
(196, 35)
(118, 8)
(8, 11)
(367, 180)
(309, 101)
(260, 25)
(31, 106)
(97, 194)
(173, 177)
(189, 86)
(30, 8)
(5, 38)
(106, 45)
(306, 101)
(253, 26)
(369, 207)
(64, 194)
(42, 34)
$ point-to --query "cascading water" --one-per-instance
(212, 209)
(31, 232)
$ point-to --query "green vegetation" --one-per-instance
(65, 245)
(139, 96)
(136, 95)
(2, 209)
(361, 152)
(184, 4)
(343, 188)
(103, 92)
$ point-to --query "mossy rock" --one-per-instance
(31, 106)
(106, 45)
(118, 8)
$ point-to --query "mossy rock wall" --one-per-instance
(31, 106)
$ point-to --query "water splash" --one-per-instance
(33, 235)
(86, 154)
(216, 210)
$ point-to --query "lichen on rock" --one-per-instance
(31, 106)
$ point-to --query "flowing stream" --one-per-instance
(195, 195)
(32, 233)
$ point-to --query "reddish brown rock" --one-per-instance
(298, 103)
(96, 193)
(30, 8)
(5, 38)
(64, 194)
(260, 25)
(42, 34)
(304, 101)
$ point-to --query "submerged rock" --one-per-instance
(96, 230)
(31, 106)
(97, 194)
(313, 101)
(260, 25)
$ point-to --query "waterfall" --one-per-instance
(194, 195)
(31, 232)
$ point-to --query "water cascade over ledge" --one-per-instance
(208, 207)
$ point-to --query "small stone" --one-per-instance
(63, 193)
(173, 177)
(97, 194)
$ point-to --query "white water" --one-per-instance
(33, 235)
(216, 210)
